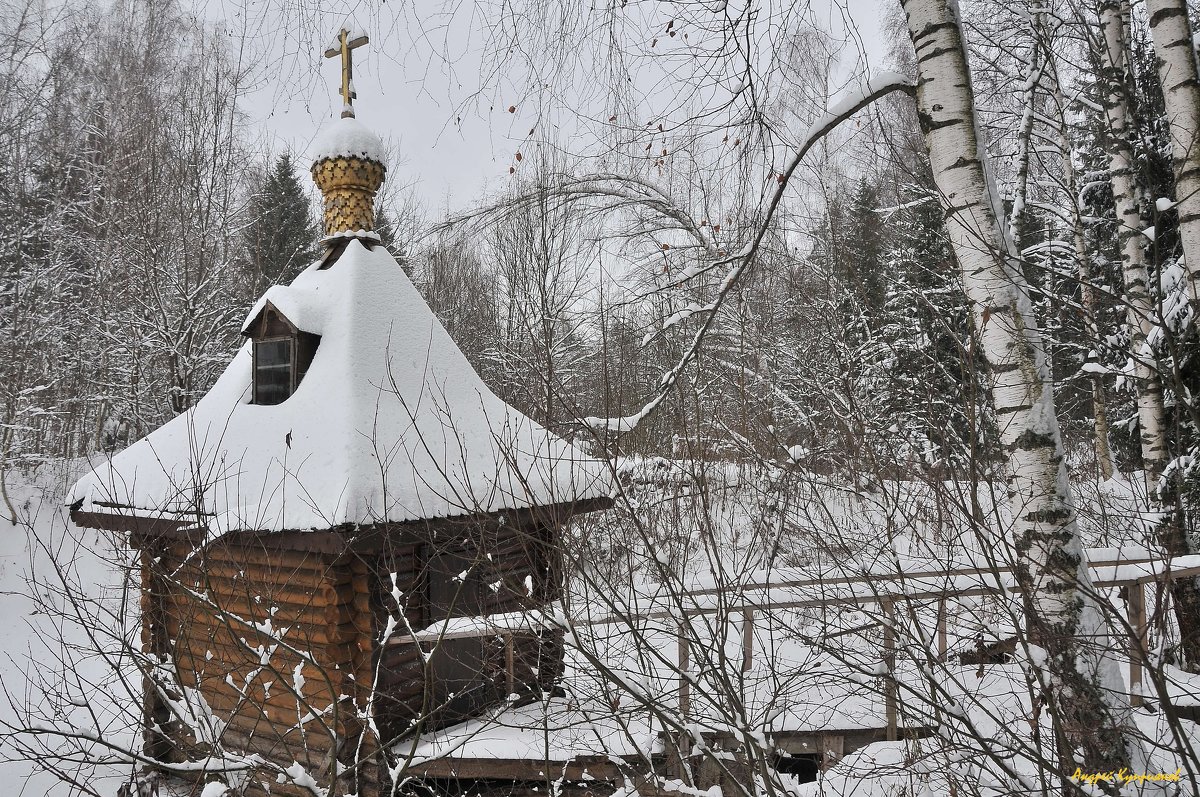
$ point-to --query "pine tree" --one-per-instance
(280, 240)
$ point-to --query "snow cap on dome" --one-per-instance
(347, 138)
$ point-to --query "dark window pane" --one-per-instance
(274, 352)
(272, 371)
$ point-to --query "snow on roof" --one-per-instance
(390, 423)
(347, 137)
(305, 308)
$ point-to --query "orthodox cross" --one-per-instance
(343, 46)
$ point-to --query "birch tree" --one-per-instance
(1077, 684)
(1175, 53)
(1142, 314)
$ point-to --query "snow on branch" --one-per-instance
(616, 191)
(740, 261)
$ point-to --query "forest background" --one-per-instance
(143, 214)
(664, 275)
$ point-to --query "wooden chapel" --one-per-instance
(349, 539)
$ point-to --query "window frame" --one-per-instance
(272, 326)
(292, 341)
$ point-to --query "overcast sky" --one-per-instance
(411, 81)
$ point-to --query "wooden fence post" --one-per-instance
(684, 663)
(941, 629)
(1135, 607)
(747, 639)
(889, 663)
(510, 676)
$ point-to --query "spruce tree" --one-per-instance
(281, 237)
(863, 245)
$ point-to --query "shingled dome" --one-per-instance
(347, 138)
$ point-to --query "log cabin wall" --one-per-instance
(225, 607)
(218, 612)
(462, 568)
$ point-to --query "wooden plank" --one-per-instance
(275, 711)
(284, 725)
(399, 656)
(199, 622)
(226, 645)
(875, 578)
(941, 630)
(227, 580)
(314, 741)
(259, 605)
(313, 613)
(833, 747)
(747, 639)
(1172, 575)
(312, 748)
(889, 664)
(144, 531)
(877, 597)
(285, 615)
(684, 663)
(520, 769)
(1135, 605)
(230, 632)
(273, 560)
(510, 680)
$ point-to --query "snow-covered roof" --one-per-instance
(347, 137)
(390, 423)
(304, 307)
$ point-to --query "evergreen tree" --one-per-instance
(863, 249)
(281, 238)
(923, 331)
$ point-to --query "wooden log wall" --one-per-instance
(270, 639)
(243, 616)
(464, 569)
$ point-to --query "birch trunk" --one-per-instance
(1087, 289)
(1080, 686)
(1177, 71)
(1170, 530)
(1142, 313)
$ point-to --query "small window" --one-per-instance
(274, 370)
(282, 355)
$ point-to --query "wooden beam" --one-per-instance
(889, 664)
(684, 654)
(833, 747)
(510, 676)
(941, 630)
(1135, 606)
(516, 769)
(747, 639)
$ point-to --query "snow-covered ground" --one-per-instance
(49, 669)
(622, 678)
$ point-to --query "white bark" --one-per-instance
(1064, 620)
(1033, 76)
(1142, 313)
(1087, 289)
(1177, 72)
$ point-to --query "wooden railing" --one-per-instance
(884, 590)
